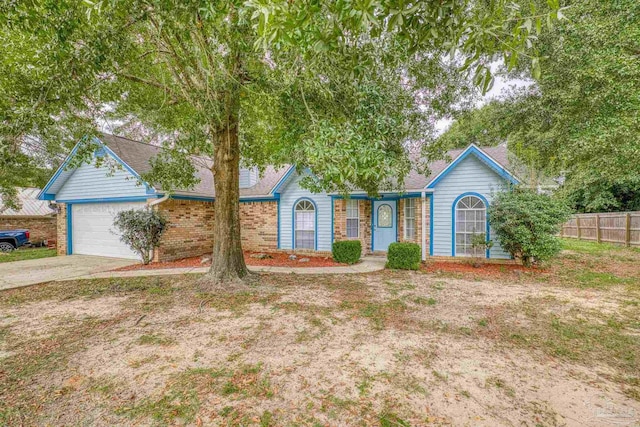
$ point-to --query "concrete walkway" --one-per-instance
(368, 264)
(30, 272)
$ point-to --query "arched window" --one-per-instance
(470, 219)
(304, 225)
(385, 216)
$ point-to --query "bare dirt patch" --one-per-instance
(271, 259)
(390, 348)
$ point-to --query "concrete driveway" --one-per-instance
(33, 271)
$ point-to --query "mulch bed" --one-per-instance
(277, 259)
(484, 270)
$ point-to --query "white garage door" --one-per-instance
(93, 231)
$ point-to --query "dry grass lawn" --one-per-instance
(559, 347)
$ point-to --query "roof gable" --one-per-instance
(63, 173)
(481, 155)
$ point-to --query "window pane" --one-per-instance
(305, 224)
(352, 228)
(304, 240)
(470, 219)
(353, 219)
(352, 209)
(385, 219)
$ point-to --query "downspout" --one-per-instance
(424, 225)
(151, 203)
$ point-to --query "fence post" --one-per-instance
(598, 228)
(578, 225)
(627, 240)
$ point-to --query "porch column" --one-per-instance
(424, 226)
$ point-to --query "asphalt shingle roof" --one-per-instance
(138, 156)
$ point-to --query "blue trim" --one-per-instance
(150, 190)
(212, 199)
(482, 157)
(261, 199)
(386, 196)
(106, 200)
(47, 196)
(431, 225)
(278, 215)
(293, 223)
(61, 169)
(333, 208)
(372, 241)
(100, 152)
(284, 179)
(378, 216)
(197, 198)
(453, 220)
(69, 228)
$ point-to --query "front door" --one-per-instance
(384, 224)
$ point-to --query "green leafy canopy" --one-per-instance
(340, 87)
(581, 119)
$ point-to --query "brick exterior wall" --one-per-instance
(189, 232)
(417, 222)
(259, 226)
(340, 222)
(40, 227)
(61, 243)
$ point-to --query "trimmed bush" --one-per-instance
(141, 230)
(526, 223)
(404, 256)
(347, 251)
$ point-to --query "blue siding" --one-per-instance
(89, 182)
(290, 193)
(248, 177)
(470, 175)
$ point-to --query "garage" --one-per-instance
(93, 232)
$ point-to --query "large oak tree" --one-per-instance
(580, 120)
(340, 87)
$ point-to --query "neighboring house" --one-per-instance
(276, 213)
(35, 215)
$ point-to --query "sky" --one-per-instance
(501, 85)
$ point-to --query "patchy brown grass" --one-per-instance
(390, 348)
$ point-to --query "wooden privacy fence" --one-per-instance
(612, 227)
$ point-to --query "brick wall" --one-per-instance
(61, 243)
(259, 226)
(340, 222)
(190, 229)
(40, 227)
(417, 221)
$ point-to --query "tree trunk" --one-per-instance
(227, 259)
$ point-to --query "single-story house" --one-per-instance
(34, 215)
(440, 212)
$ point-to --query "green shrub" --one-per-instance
(526, 224)
(404, 256)
(347, 251)
(141, 230)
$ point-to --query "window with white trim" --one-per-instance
(409, 219)
(305, 225)
(353, 219)
(471, 218)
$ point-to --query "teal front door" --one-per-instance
(384, 224)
